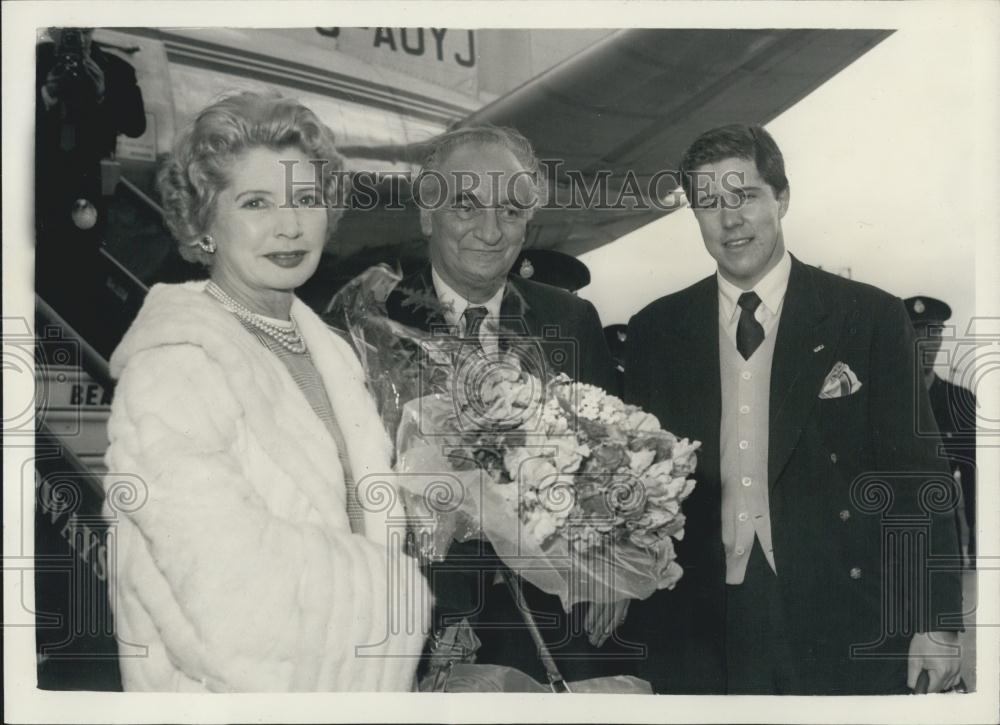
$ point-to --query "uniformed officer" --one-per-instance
(954, 410)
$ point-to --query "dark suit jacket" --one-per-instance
(829, 523)
(568, 332)
(567, 327)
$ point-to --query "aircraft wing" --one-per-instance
(633, 102)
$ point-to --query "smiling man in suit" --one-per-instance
(803, 389)
(477, 191)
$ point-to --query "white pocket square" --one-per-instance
(840, 382)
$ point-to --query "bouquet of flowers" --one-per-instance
(577, 492)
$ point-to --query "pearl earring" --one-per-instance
(207, 244)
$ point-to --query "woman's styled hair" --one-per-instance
(191, 177)
(736, 141)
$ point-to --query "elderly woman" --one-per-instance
(248, 423)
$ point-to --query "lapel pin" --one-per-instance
(818, 348)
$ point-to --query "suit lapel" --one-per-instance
(516, 318)
(803, 355)
(696, 384)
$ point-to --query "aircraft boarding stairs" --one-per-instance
(89, 287)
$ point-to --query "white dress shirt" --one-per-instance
(455, 306)
(771, 290)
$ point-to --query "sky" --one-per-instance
(891, 176)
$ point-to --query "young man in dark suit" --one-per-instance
(477, 191)
(803, 389)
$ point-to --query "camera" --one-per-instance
(70, 80)
(69, 54)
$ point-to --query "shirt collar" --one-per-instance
(455, 304)
(771, 289)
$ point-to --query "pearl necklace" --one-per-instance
(288, 337)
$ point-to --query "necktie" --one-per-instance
(749, 332)
(474, 317)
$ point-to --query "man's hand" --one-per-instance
(938, 653)
(53, 86)
(60, 79)
(96, 76)
(603, 619)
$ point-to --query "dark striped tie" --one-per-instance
(749, 332)
(474, 317)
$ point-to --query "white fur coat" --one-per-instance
(236, 567)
